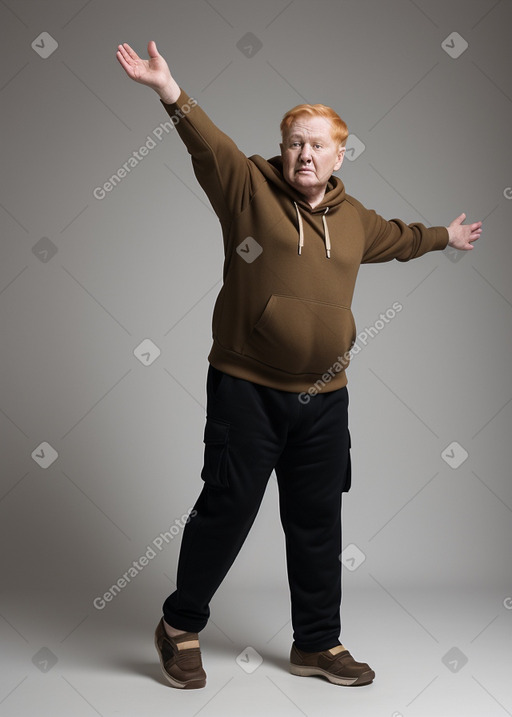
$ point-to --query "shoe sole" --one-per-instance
(304, 671)
(191, 685)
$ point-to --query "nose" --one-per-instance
(305, 154)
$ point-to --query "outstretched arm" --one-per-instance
(462, 235)
(154, 72)
(227, 176)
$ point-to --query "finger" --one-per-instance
(458, 220)
(123, 61)
(130, 52)
(152, 51)
(123, 54)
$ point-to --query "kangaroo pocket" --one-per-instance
(301, 335)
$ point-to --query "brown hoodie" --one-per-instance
(282, 318)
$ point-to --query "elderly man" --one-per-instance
(282, 324)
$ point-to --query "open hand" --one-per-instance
(154, 72)
(461, 235)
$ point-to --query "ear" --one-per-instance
(340, 158)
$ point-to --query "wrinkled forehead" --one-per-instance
(309, 127)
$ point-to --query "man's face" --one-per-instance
(310, 155)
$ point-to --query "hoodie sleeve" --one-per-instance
(223, 171)
(394, 239)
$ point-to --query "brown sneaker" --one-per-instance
(182, 668)
(339, 668)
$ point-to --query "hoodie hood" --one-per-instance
(272, 169)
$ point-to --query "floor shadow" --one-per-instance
(143, 668)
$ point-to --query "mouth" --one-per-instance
(303, 170)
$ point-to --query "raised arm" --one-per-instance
(227, 176)
(154, 72)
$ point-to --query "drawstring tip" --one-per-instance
(328, 253)
(300, 250)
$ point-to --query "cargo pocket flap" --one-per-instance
(348, 474)
(215, 467)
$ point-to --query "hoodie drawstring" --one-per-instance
(327, 238)
(301, 228)
(326, 235)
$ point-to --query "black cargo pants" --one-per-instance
(251, 430)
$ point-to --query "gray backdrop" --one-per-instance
(101, 434)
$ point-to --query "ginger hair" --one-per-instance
(339, 129)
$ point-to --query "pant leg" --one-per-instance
(312, 473)
(245, 433)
